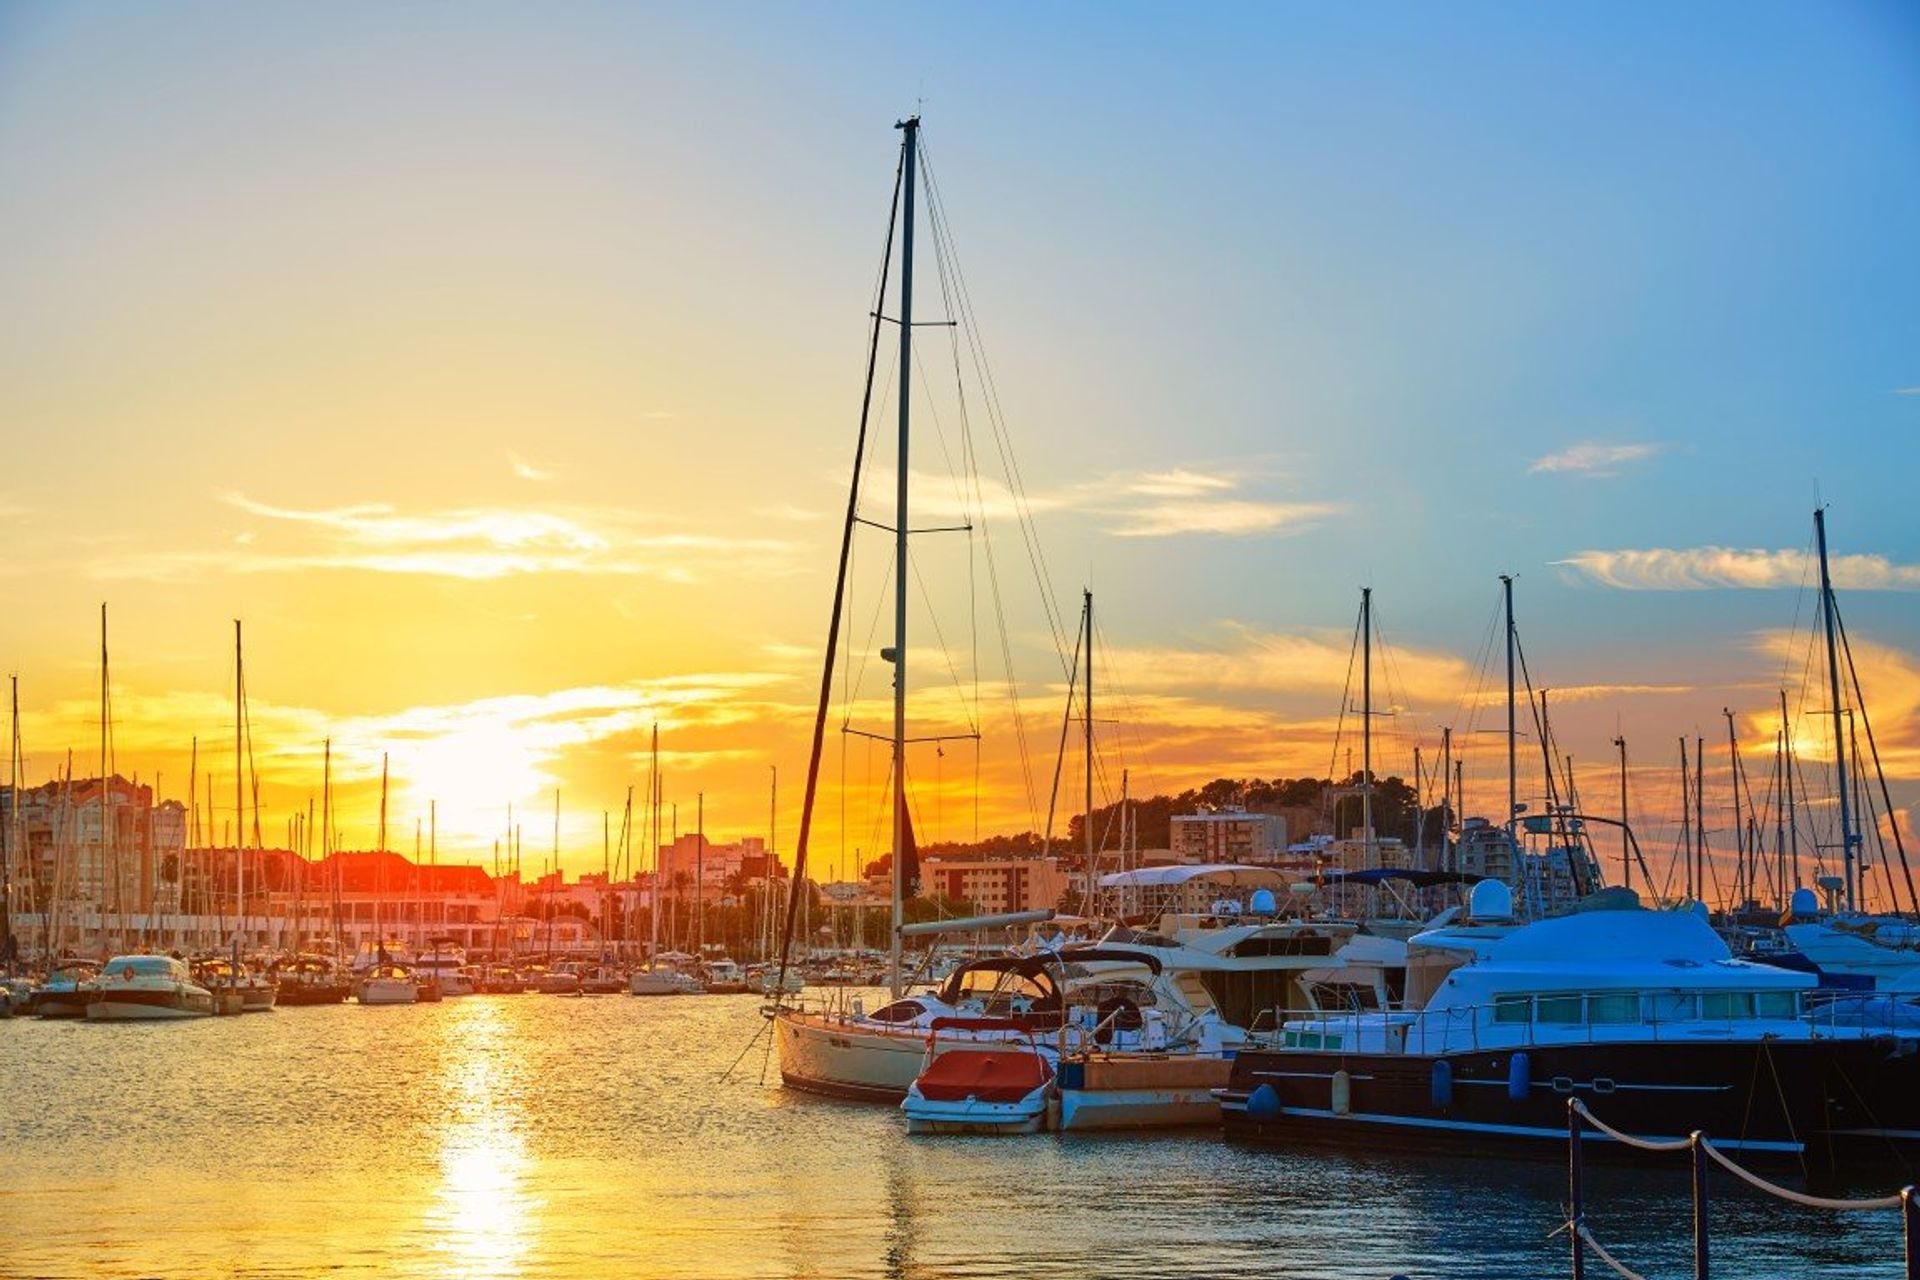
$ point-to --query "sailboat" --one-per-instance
(656, 980)
(858, 1054)
(1844, 940)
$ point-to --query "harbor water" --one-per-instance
(541, 1136)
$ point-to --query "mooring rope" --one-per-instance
(1645, 1144)
(1798, 1197)
(1751, 1179)
(1600, 1252)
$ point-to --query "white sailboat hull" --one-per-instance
(389, 991)
(824, 1053)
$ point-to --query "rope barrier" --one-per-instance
(1599, 1251)
(1645, 1144)
(1811, 1202)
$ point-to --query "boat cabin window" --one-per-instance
(1726, 1004)
(1777, 1004)
(1615, 1007)
(1512, 1008)
(1564, 1010)
(899, 1011)
(1672, 1006)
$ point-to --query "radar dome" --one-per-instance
(1805, 902)
(1491, 900)
(1262, 902)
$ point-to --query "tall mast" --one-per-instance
(1366, 725)
(1700, 813)
(699, 877)
(1446, 798)
(653, 901)
(1793, 824)
(910, 144)
(1686, 820)
(1513, 761)
(1626, 860)
(1086, 712)
(13, 831)
(1847, 837)
(109, 852)
(239, 785)
(1745, 873)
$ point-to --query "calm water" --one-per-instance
(534, 1136)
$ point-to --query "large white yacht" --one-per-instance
(1645, 1015)
(147, 988)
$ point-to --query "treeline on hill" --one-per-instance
(1310, 805)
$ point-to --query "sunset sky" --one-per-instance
(499, 366)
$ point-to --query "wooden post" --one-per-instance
(1696, 1147)
(1910, 1231)
(1576, 1198)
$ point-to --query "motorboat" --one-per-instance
(601, 980)
(769, 981)
(310, 980)
(501, 980)
(1001, 1090)
(67, 991)
(388, 983)
(143, 988)
(258, 992)
(1884, 950)
(1066, 998)
(1644, 1015)
(560, 980)
(665, 981)
(724, 977)
(444, 964)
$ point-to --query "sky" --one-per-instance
(499, 367)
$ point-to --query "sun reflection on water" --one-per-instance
(480, 1221)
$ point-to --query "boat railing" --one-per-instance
(1472, 1028)
(1700, 1150)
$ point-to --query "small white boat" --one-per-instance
(147, 988)
(985, 1091)
(389, 984)
(663, 982)
(444, 963)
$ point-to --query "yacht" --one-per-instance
(256, 991)
(444, 963)
(601, 980)
(67, 991)
(724, 977)
(1883, 950)
(148, 988)
(311, 979)
(1070, 1000)
(388, 983)
(667, 981)
(1644, 1015)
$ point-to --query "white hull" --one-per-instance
(663, 982)
(388, 991)
(1839, 951)
(825, 1054)
(1087, 1109)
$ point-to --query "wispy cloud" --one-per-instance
(1907, 391)
(469, 543)
(1710, 568)
(1229, 518)
(1140, 504)
(1593, 459)
(527, 470)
